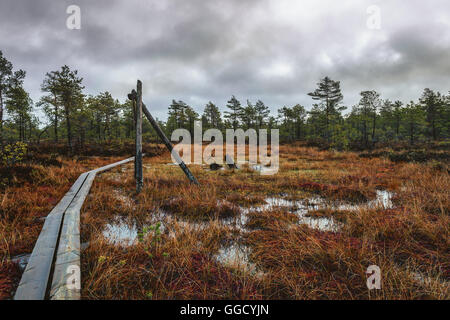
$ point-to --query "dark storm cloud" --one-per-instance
(208, 50)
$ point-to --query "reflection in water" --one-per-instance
(21, 260)
(301, 208)
(236, 255)
(233, 256)
(383, 200)
(126, 233)
(120, 232)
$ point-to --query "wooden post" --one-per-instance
(138, 163)
(133, 105)
(162, 136)
(169, 146)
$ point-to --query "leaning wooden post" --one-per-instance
(169, 146)
(138, 162)
(162, 136)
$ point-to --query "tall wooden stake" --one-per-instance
(134, 96)
(138, 159)
(169, 146)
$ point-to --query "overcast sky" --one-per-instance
(204, 50)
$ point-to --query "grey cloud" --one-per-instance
(198, 51)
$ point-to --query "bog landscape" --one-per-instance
(95, 204)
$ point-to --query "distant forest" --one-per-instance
(76, 119)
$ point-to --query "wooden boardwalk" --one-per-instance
(57, 249)
(55, 259)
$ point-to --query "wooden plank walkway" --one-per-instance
(57, 249)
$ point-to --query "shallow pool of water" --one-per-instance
(124, 232)
(21, 260)
(121, 232)
(302, 207)
(298, 207)
(383, 200)
(233, 255)
(237, 256)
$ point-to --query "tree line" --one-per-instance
(77, 118)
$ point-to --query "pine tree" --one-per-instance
(191, 117)
(432, 103)
(108, 108)
(50, 103)
(18, 104)
(248, 115)
(299, 115)
(286, 116)
(329, 94)
(177, 113)
(261, 113)
(211, 117)
(5, 76)
(369, 104)
(236, 111)
(66, 84)
(397, 113)
(414, 118)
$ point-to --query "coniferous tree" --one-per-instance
(299, 115)
(18, 104)
(235, 112)
(432, 103)
(191, 117)
(397, 112)
(6, 75)
(261, 113)
(211, 117)
(369, 105)
(50, 103)
(329, 94)
(414, 119)
(177, 114)
(248, 115)
(66, 84)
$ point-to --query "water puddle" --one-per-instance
(302, 207)
(127, 233)
(233, 256)
(21, 260)
(383, 200)
(171, 164)
(263, 169)
(121, 232)
(254, 167)
(236, 256)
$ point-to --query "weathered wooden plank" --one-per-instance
(112, 165)
(68, 254)
(35, 279)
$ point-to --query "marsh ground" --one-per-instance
(28, 192)
(308, 232)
